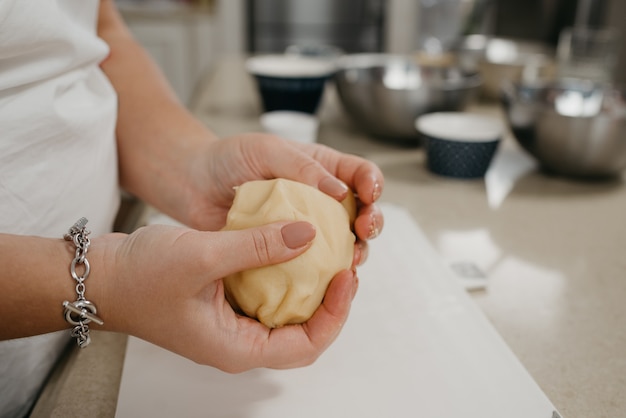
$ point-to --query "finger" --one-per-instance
(366, 179)
(369, 222)
(361, 252)
(300, 345)
(294, 163)
(360, 175)
(256, 247)
(332, 172)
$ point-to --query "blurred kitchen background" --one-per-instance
(187, 37)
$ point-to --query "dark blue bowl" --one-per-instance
(459, 159)
(296, 94)
(288, 82)
(459, 145)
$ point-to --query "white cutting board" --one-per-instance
(415, 345)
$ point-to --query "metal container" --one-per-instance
(499, 60)
(572, 127)
(384, 94)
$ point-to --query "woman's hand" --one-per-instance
(230, 162)
(163, 284)
(168, 287)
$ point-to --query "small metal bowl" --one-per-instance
(572, 127)
(384, 94)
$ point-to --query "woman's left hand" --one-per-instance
(229, 162)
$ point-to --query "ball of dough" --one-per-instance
(289, 292)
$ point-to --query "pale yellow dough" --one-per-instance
(290, 292)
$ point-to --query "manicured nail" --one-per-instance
(363, 252)
(374, 229)
(297, 234)
(377, 191)
(333, 187)
(355, 286)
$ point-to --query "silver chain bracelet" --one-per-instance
(80, 312)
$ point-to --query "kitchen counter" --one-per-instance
(551, 249)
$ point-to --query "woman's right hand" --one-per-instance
(163, 284)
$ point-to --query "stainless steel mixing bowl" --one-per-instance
(572, 127)
(384, 94)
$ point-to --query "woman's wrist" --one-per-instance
(35, 281)
(105, 287)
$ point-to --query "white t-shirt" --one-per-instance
(58, 157)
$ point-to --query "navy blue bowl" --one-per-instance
(289, 82)
(459, 145)
(296, 94)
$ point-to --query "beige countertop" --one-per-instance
(552, 250)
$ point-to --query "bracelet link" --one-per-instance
(80, 312)
(81, 333)
(85, 310)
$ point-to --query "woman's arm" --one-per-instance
(157, 137)
(35, 280)
(163, 284)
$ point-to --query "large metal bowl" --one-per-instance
(384, 94)
(572, 127)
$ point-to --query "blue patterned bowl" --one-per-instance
(458, 144)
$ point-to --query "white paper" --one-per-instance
(415, 345)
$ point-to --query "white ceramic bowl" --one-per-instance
(295, 126)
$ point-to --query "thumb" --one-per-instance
(264, 245)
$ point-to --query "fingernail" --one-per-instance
(377, 191)
(355, 285)
(333, 187)
(374, 229)
(363, 250)
(297, 234)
